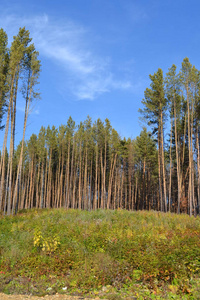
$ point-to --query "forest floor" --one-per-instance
(47, 297)
(104, 254)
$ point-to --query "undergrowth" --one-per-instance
(113, 254)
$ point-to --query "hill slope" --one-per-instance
(108, 253)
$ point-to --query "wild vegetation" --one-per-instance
(113, 254)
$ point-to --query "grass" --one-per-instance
(111, 254)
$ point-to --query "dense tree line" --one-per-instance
(176, 97)
(88, 166)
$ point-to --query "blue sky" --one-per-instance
(97, 55)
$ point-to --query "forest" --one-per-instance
(88, 165)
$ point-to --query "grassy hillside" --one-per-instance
(113, 254)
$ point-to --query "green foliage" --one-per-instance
(155, 102)
(145, 150)
(4, 61)
(147, 254)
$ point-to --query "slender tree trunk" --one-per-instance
(42, 187)
(80, 175)
(71, 176)
(177, 159)
(10, 162)
(170, 169)
(190, 163)
(159, 179)
(198, 168)
(2, 166)
(163, 165)
(37, 186)
(112, 167)
(49, 182)
(104, 175)
(143, 189)
(136, 190)
(96, 177)
(28, 100)
(192, 160)
(115, 191)
(68, 168)
(118, 189)
(90, 188)
(102, 182)
(122, 188)
(85, 181)
(98, 199)
(74, 176)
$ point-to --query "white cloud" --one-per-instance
(94, 87)
(65, 44)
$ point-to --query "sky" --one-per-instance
(96, 55)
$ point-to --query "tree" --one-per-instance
(154, 111)
(4, 61)
(174, 99)
(145, 157)
(187, 80)
(17, 57)
(31, 66)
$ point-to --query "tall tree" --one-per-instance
(31, 66)
(174, 99)
(17, 55)
(4, 62)
(186, 75)
(154, 110)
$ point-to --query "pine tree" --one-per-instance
(31, 66)
(4, 62)
(155, 106)
(174, 99)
